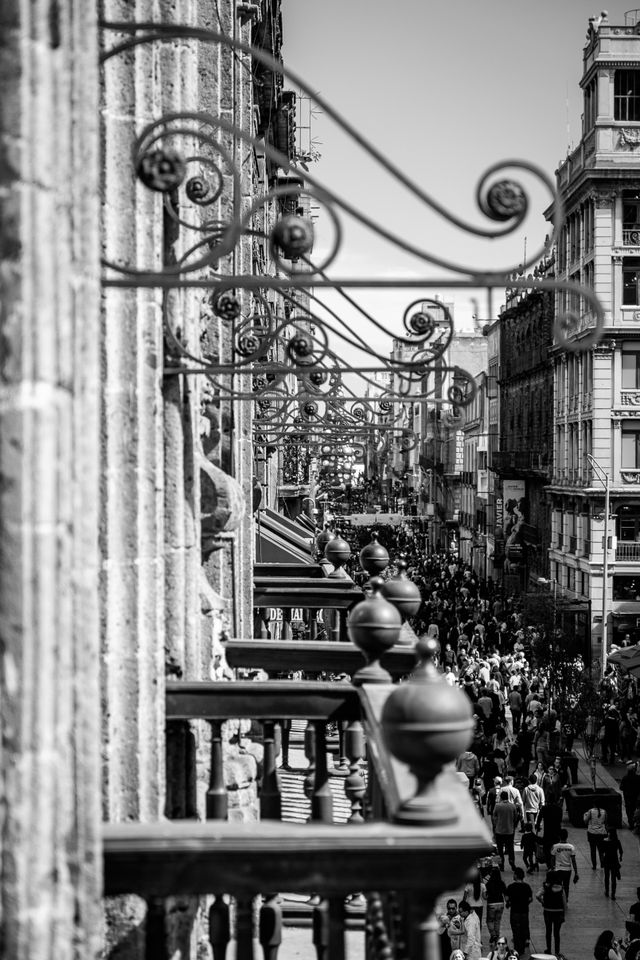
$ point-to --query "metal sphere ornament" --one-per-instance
(226, 305)
(323, 539)
(402, 592)
(374, 558)
(427, 724)
(337, 552)
(374, 626)
(197, 190)
(506, 199)
(161, 170)
(293, 236)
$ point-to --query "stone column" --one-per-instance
(49, 455)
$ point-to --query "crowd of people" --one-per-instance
(520, 762)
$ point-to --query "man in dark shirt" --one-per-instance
(550, 820)
(519, 896)
(505, 819)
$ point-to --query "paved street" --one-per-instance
(589, 911)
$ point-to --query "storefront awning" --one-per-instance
(280, 540)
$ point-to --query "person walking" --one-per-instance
(529, 847)
(551, 896)
(596, 822)
(611, 859)
(533, 799)
(515, 706)
(471, 942)
(505, 819)
(611, 724)
(550, 819)
(496, 893)
(475, 893)
(518, 898)
(563, 855)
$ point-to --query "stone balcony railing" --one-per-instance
(628, 551)
(410, 835)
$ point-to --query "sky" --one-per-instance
(445, 90)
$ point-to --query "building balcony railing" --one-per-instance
(631, 237)
(276, 599)
(627, 551)
(401, 847)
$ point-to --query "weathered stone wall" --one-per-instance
(49, 339)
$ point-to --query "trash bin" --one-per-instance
(581, 799)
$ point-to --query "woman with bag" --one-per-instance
(596, 823)
(554, 903)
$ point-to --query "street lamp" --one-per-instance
(604, 478)
(543, 581)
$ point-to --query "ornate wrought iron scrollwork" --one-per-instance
(298, 350)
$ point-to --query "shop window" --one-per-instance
(626, 588)
(626, 95)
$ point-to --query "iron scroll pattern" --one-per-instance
(300, 357)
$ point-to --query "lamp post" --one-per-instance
(604, 478)
(546, 582)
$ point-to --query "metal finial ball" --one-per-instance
(427, 649)
(293, 236)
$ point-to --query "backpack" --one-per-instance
(553, 899)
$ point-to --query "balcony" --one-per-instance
(408, 837)
(631, 237)
(628, 551)
(282, 602)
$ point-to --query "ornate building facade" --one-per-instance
(596, 399)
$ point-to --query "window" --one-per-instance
(631, 281)
(630, 217)
(631, 445)
(629, 524)
(590, 101)
(626, 95)
(630, 367)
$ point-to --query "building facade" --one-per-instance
(596, 403)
